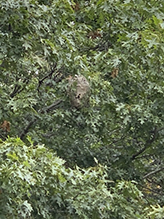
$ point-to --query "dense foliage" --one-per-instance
(111, 148)
(36, 184)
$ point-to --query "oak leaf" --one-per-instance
(114, 73)
(5, 126)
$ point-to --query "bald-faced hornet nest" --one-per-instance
(78, 91)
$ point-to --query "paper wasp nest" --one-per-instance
(78, 90)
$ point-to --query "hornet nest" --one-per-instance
(78, 91)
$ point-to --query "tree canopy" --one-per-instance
(81, 109)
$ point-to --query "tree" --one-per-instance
(118, 47)
(36, 184)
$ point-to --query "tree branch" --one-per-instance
(18, 88)
(44, 110)
(47, 76)
(25, 131)
(51, 107)
(153, 172)
(147, 144)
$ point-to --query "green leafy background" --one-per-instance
(104, 160)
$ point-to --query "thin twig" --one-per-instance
(153, 172)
